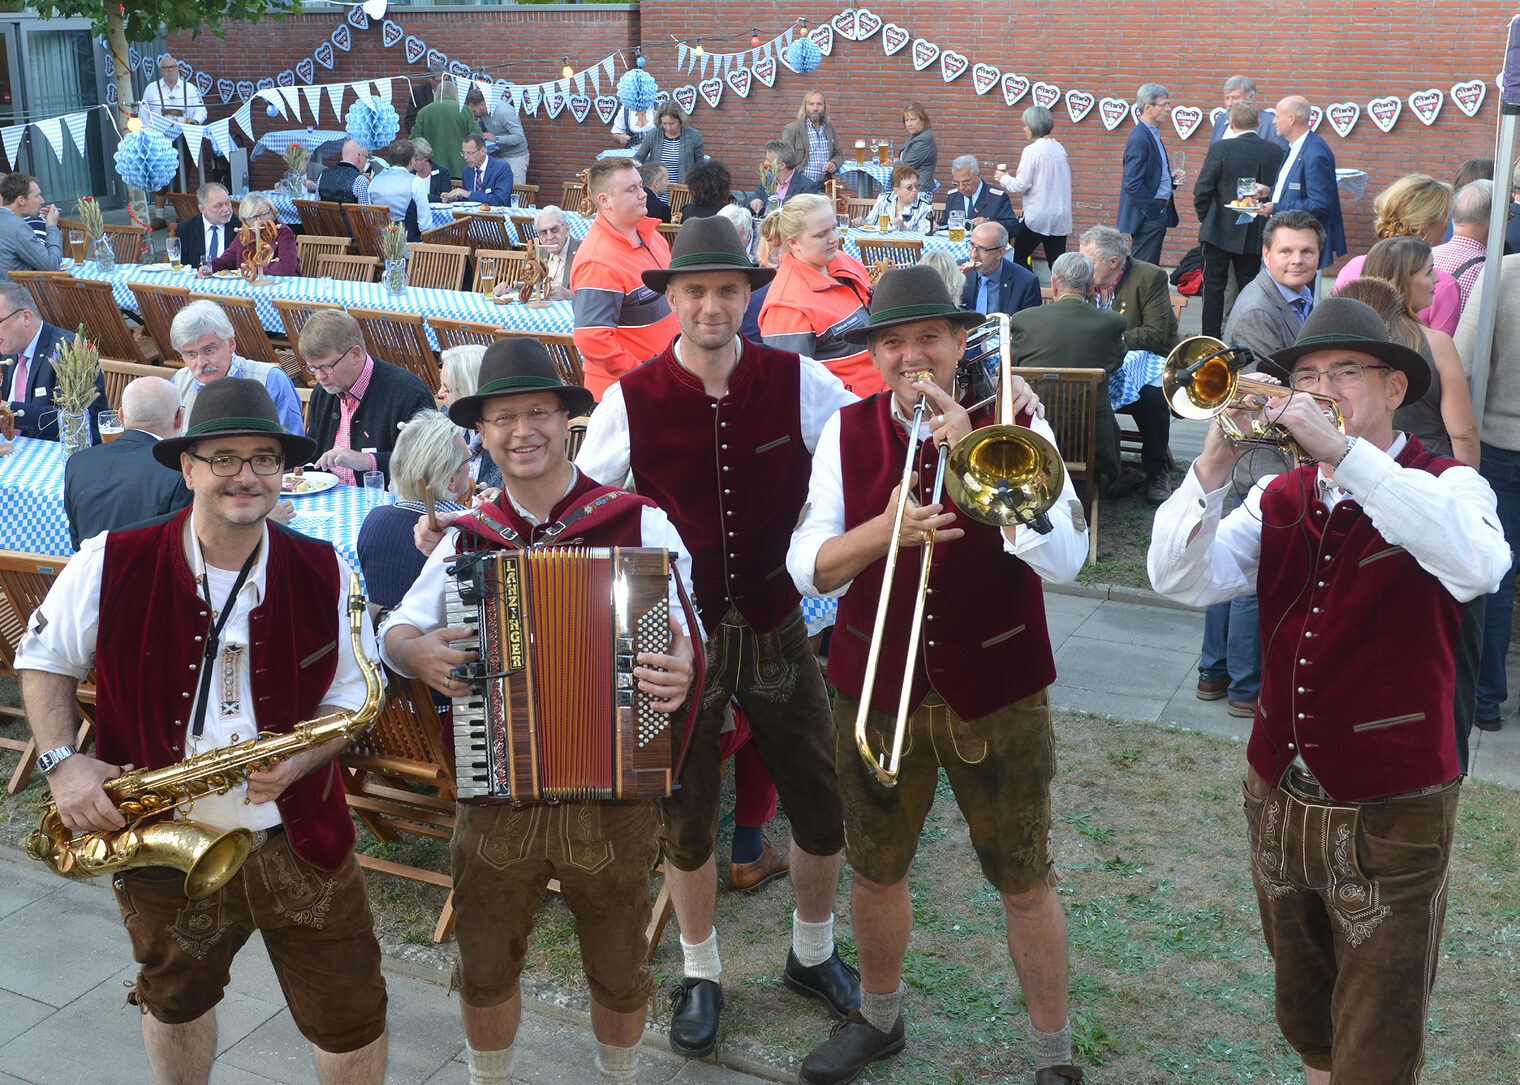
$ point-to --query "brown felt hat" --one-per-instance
(906, 295)
(1347, 324)
(511, 367)
(708, 244)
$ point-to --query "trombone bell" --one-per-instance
(1005, 475)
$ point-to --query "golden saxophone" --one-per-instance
(147, 798)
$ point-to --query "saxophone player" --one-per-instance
(201, 630)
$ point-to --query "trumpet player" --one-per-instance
(977, 688)
(205, 628)
(1352, 781)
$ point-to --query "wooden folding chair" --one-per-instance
(310, 246)
(293, 315)
(459, 333)
(668, 231)
(358, 269)
(401, 339)
(454, 232)
(185, 204)
(71, 250)
(120, 374)
(678, 197)
(571, 195)
(313, 221)
(576, 436)
(328, 216)
(896, 253)
(24, 583)
(858, 207)
(252, 340)
(1071, 407)
(157, 304)
(567, 358)
(1179, 303)
(510, 265)
(90, 302)
(43, 286)
(365, 221)
(526, 195)
(436, 267)
(128, 243)
(526, 227)
(486, 231)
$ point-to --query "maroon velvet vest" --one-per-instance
(147, 683)
(1358, 644)
(617, 521)
(984, 643)
(731, 473)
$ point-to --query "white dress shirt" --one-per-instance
(1448, 523)
(1043, 178)
(216, 243)
(158, 97)
(1056, 557)
(1294, 149)
(63, 642)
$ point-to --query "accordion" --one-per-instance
(554, 710)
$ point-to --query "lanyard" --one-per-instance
(213, 639)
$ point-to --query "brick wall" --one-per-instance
(1342, 50)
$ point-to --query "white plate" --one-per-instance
(226, 273)
(155, 267)
(66, 263)
(314, 481)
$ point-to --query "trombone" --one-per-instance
(1201, 379)
(1001, 475)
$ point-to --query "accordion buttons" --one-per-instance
(725, 494)
(730, 534)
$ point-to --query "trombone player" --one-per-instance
(976, 688)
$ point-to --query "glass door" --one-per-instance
(65, 69)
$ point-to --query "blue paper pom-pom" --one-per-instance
(146, 160)
(372, 122)
(803, 55)
(636, 89)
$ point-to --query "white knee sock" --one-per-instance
(489, 1067)
(617, 1065)
(700, 961)
(813, 943)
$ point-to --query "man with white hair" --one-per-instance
(203, 337)
(175, 100)
(977, 201)
(107, 487)
(1237, 89)
(558, 253)
(1463, 256)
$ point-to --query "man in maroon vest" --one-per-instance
(182, 620)
(720, 431)
(977, 691)
(1352, 784)
(504, 855)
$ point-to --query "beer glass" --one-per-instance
(882, 149)
(860, 152)
(487, 275)
(110, 425)
(76, 244)
(884, 221)
(956, 221)
(171, 250)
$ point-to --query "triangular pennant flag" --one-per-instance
(292, 98)
(681, 52)
(11, 137)
(383, 88)
(703, 65)
(76, 123)
(532, 95)
(517, 98)
(244, 117)
(787, 37)
(580, 82)
(608, 69)
(220, 134)
(564, 88)
(314, 101)
(596, 79)
(193, 137)
(335, 95)
(154, 122)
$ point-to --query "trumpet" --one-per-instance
(1201, 379)
(1000, 475)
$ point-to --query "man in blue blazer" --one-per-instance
(1306, 181)
(486, 179)
(979, 202)
(997, 284)
(1146, 208)
(27, 386)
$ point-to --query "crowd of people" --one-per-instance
(770, 412)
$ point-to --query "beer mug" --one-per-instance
(956, 221)
(860, 152)
(883, 222)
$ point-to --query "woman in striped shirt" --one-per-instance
(678, 144)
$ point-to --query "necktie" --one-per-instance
(1301, 306)
(984, 304)
(214, 249)
(18, 385)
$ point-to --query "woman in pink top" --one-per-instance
(1416, 205)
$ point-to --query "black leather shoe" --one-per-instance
(1058, 1075)
(695, 1006)
(853, 1045)
(834, 983)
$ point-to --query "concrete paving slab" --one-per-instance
(20, 886)
(62, 945)
(1064, 613)
(222, 1074)
(19, 1013)
(1105, 703)
(1150, 627)
(51, 1050)
(1210, 717)
(1126, 670)
(1495, 755)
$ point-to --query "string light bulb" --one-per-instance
(567, 71)
(754, 38)
(134, 124)
(638, 57)
(699, 51)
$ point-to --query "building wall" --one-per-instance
(1338, 50)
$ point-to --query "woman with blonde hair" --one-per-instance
(254, 210)
(944, 263)
(1416, 205)
(459, 378)
(818, 294)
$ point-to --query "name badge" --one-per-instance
(39, 392)
(1294, 186)
(369, 450)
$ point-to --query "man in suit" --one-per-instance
(502, 126)
(20, 249)
(997, 284)
(1242, 88)
(1071, 331)
(1146, 207)
(790, 181)
(977, 201)
(1227, 243)
(486, 179)
(656, 179)
(27, 379)
(360, 402)
(107, 487)
(204, 237)
(558, 249)
(1273, 307)
(1306, 180)
(813, 138)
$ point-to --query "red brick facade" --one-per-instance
(1343, 50)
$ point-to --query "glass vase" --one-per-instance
(293, 184)
(104, 254)
(73, 430)
(395, 277)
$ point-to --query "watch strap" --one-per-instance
(50, 760)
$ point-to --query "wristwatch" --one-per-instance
(55, 757)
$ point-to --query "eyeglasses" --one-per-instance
(1341, 376)
(323, 370)
(8, 315)
(228, 466)
(538, 416)
(974, 247)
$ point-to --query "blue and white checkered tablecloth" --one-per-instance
(819, 614)
(1140, 368)
(617, 152)
(882, 175)
(310, 138)
(961, 250)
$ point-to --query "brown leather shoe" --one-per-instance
(1058, 1075)
(775, 860)
(851, 1047)
(1212, 689)
(1243, 709)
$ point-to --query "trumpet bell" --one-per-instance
(1202, 393)
(1004, 475)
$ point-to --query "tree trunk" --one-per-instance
(121, 74)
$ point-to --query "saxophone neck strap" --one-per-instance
(214, 640)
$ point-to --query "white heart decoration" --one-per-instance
(1426, 104)
(685, 96)
(844, 22)
(739, 79)
(1468, 96)
(341, 39)
(416, 49)
(925, 53)
(1186, 119)
(1215, 113)
(765, 70)
(661, 97)
(357, 18)
(606, 107)
(1015, 86)
(894, 38)
(1343, 117)
(712, 92)
(1316, 115)
(867, 22)
(324, 55)
(225, 88)
(984, 77)
(952, 65)
(112, 94)
(1079, 104)
(459, 71)
(375, 9)
(437, 59)
(1046, 94)
(204, 82)
(245, 89)
(580, 106)
(1112, 111)
(287, 78)
(391, 33)
(554, 102)
(1134, 112)
(1385, 111)
(823, 37)
(306, 69)
(185, 71)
